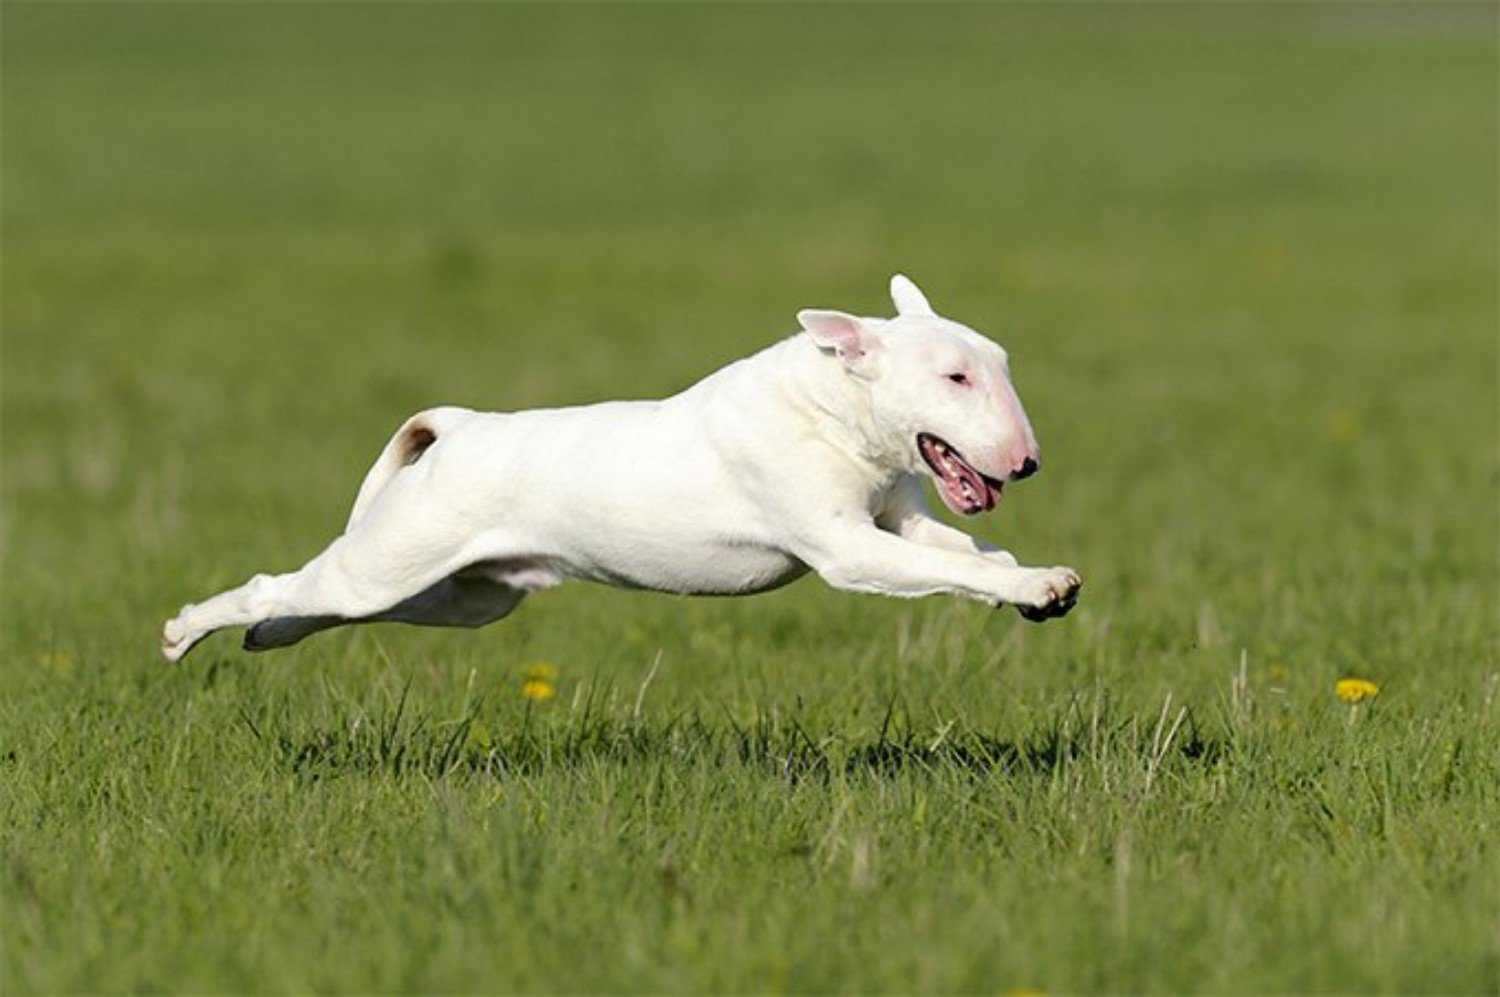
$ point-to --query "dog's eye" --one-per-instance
(958, 378)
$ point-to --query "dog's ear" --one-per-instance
(908, 297)
(844, 334)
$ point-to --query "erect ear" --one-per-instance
(908, 297)
(837, 331)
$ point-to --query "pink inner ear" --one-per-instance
(835, 331)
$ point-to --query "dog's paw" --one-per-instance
(1048, 593)
(176, 638)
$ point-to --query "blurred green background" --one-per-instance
(1244, 258)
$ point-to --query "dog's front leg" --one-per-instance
(868, 559)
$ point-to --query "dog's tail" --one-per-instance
(405, 448)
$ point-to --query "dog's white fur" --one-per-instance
(802, 456)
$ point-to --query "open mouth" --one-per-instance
(964, 489)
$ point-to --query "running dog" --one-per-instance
(808, 455)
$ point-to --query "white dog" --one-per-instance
(808, 454)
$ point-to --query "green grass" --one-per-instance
(1244, 259)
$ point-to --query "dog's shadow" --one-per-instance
(399, 743)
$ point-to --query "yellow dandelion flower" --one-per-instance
(541, 671)
(538, 689)
(1355, 690)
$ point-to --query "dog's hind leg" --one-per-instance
(408, 540)
(404, 537)
(467, 598)
(325, 592)
(284, 631)
(340, 585)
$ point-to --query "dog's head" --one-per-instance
(940, 396)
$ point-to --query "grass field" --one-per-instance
(1244, 259)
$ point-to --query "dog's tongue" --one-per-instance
(964, 489)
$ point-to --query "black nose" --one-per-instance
(1028, 468)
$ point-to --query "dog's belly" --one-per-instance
(710, 569)
(742, 571)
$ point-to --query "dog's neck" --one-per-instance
(838, 406)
